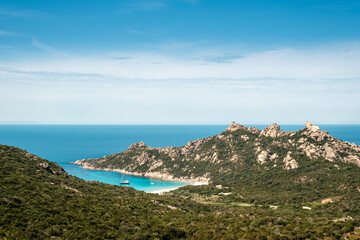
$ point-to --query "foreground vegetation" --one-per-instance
(39, 200)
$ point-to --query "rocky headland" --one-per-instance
(235, 148)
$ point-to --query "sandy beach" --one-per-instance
(161, 191)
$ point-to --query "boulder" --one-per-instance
(289, 162)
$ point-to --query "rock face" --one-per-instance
(229, 152)
(289, 162)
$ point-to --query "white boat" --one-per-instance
(125, 182)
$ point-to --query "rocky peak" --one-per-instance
(235, 126)
(272, 131)
(137, 146)
(315, 133)
(311, 127)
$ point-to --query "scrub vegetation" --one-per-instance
(39, 200)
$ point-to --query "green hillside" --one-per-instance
(256, 200)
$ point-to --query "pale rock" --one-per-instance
(235, 158)
(327, 200)
(215, 157)
(137, 146)
(245, 137)
(155, 165)
(316, 134)
(234, 126)
(272, 131)
(258, 149)
(261, 158)
(301, 140)
(311, 127)
(274, 157)
(330, 154)
(352, 159)
(44, 165)
(343, 219)
(289, 162)
(143, 158)
(254, 130)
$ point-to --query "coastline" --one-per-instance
(152, 175)
(155, 176)
(174, 188)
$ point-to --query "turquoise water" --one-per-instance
(67, 143)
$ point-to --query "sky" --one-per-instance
(179, 61)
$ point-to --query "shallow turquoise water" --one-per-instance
(68, 143)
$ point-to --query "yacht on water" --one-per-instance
(125, 182)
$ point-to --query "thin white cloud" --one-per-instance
(327, 63)
(6, 33)
(46, 48)
(80, 98)
(284, 86)
(10, 11)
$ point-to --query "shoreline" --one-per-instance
(161, 191)
(153, 175)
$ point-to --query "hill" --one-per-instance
(269, 166)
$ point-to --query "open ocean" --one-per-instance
(67, 143)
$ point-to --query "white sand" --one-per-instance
(161, 191)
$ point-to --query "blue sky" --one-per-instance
(179, 61)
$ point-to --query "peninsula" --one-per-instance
(236, 148)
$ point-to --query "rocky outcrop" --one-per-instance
(330, 154)
(137, 146)
(234, 127)
(315, 133)
(45, 166)
(289, 162)
(272, 131)
(311, 127)
(261, 158)
(274, 157)
(353, 159)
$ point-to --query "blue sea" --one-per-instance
(67, 143)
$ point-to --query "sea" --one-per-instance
(67, 143)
